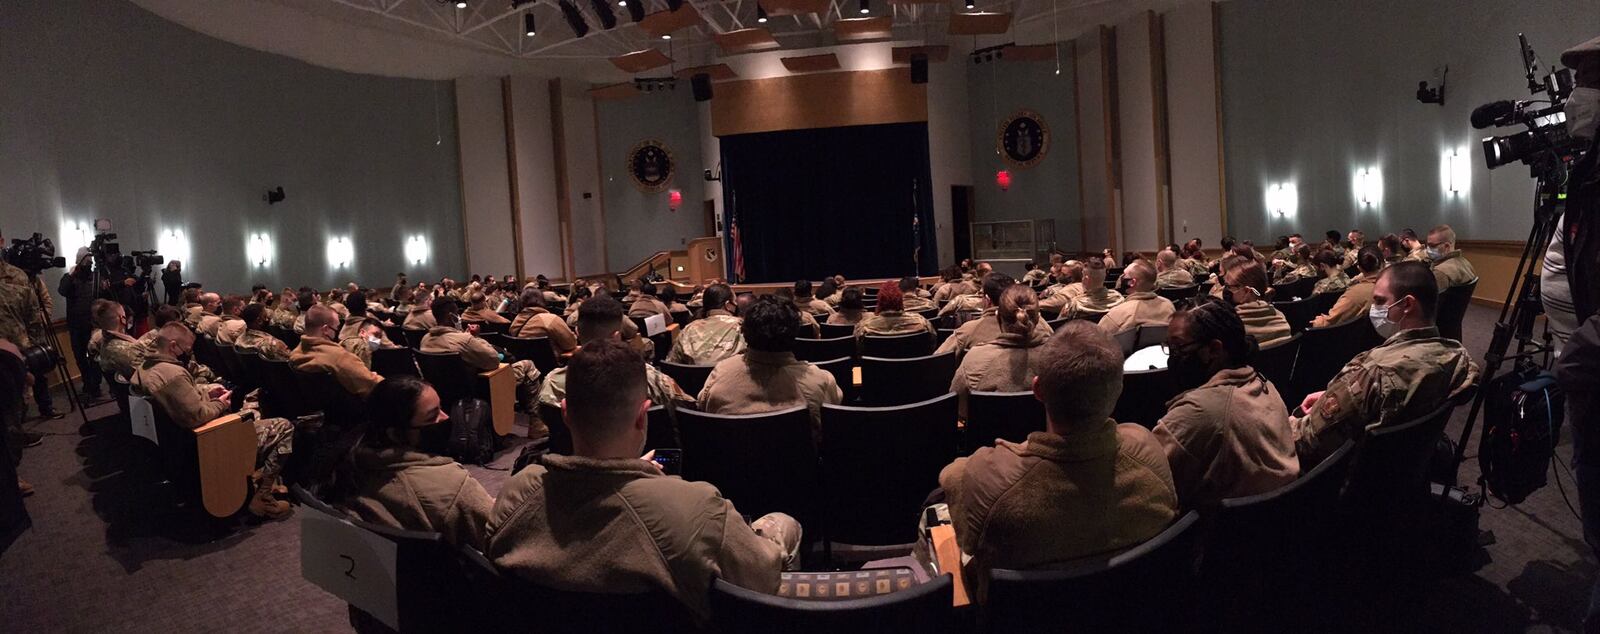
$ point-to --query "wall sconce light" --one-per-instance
(1283, 199)
(173, 244)
(340, 252)
(1369, 186)
(74, 235)
(258, 249)
(417, 249)
(1455, 172)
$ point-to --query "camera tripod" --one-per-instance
(1522, 303)
(52, 348)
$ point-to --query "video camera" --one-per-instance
(34, 254)
(1545, 145)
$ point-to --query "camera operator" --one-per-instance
(21, 321)
(1578, 368)
(79, 288)
(172, 279)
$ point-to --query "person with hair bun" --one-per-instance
(1246, 289)
(1227, 435)
(1357, 297)
(1331, 265)
(1009, 362)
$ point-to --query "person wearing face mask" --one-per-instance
(448, 337)
(1227, 435)
(1416, 250)
(117, 353)
(361, 333)
(605, 520)
(1334, 279)
(1357, 296)
(1411, 374)
(256, 338)
(389, 480)
(1450, 269)
(320, 352)
(190, 404)
(1246, 289)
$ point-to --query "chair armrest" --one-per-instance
(225, 448)
(501, 388)
(948, 555)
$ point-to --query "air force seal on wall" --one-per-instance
(1023, 139)
(650, 164)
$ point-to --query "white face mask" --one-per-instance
(1583, 112)
(1380, 321)
(1435, 254)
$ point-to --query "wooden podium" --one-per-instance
(705, 259)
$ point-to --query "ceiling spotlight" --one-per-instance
(622, 3)
(667, 36)
(461, 4)
(761, 14)
(866, 7)
(527, 23)
(972, 4)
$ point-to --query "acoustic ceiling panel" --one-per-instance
(811, 63)
(745, 41)
(858, 29)
(640, 61)
(979, 23)
(624, 90)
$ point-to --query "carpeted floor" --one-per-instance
(106, 554)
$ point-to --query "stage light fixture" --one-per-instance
(1283, 199)
(527, 24)
(866, 6)
(574, 18)
(602, 11)
(761, 14)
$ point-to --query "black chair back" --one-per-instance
(244, 374)
(831, 331)
(515, 603)
(1126, 340)
(1327, 350)
(1055, 324)
(206, 352)
(765, 461)
(902, 381)
(412, 337)
(1144, 396)
(920, 608)
(1298, 313)
(692, 378)
(879, 463)
(1390, 471)
(814, 350)
(395, 334)
(1106, 595)
(1265, 553)
(1008, 415)
(493, 327)
(448, 374)
(1277, 364)
(535, 349)
(1453, 308)
(393, 362)
(283, 390)
(843, 371)
(179, 455)
(1325, 301)
(1150, 335)
(1179, 293)
(907, 346)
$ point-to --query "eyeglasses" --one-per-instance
(1167, 348)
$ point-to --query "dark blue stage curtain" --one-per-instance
(812, 203)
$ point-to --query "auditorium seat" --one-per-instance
(1264, 554)
(396, 335)
(905, 346)
(1143, 589)
(879, 464)
(1277, 364)
(1125, 340)
(875, 602)
(209, 466)
(1150, 335)
(901, 381)
(1008, 415)
(1453, 308)
(535, 349)
(1324, 351)
(413, 337)
(806, 349)
(448, 374)
(831, 331)
(1144, 396)
(692, 378)
(762, 462)
(843, 371)
(1389, 474)
(1298, 313)
(393, 362)
(424, 584)
(245, 379)
(1325, 301)
(494, 327)
(283, 390)
(206, 352)
(928, 313)
(944, 334)
(1178, 293)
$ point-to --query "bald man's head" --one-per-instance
(321, 321)
(210, 302)
(1141, 277)
(173, 340)
(1165, 260)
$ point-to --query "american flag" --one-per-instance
(738, 247)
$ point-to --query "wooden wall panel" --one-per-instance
(823, 100)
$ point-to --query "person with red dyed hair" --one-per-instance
(891, 318)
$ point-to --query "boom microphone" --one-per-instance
(1494, 114)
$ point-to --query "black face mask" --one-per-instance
(1189, 371)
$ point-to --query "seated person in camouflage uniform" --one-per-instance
(191, 404)
(1334, 279)
(767, 377)
(1413, 373)
(534, 320)
(808, 324)
(205, 320)
(319, 351)
(1169, 274)
(805, 300)
(851, 309)
(362, 332)
(601, 318)
(915, 299)
(420, 317)
(986, 328)
(1068, 286)
(1096, 298)
(1011, 361)
(1246, 288)
(227, 326)
(890, 319)
(1142, 306)
(1450, 268)
(1033, 275)
(256, 338)
(118, 354)
(1357, 297)
(648, 305)
(478, 354)
(479, 310)
(717, 337)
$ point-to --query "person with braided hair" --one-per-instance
(1228, 434)
(1010, 362)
